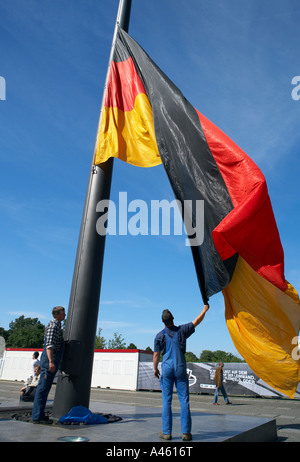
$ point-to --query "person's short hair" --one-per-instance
(167, 317)
(57, 309)
(36, 354)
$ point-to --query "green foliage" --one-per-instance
(25, 333)
(100, 342)
(4, 333)
(190, 357)
(29, 333)
(117, 343)
(217, 356)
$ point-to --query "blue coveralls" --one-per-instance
(174, 372)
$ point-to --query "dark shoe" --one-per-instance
(43, 422)
(187, 437)
(229, 402)
(216, 404)
(163, 436)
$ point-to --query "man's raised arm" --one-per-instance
(200, 316)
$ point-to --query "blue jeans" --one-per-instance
(44, 385)
(167, 382)
(222, 389)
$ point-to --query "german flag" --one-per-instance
(145, 121)
(126, 129)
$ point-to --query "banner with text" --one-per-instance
(238, 379)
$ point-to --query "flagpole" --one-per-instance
(75, 374)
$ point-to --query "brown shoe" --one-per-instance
(187, 437)
(163, 436)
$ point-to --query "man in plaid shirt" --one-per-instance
(50, 360)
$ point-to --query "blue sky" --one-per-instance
(234, 61)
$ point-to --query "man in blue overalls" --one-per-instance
(171, 341)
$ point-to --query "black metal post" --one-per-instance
(75, 374)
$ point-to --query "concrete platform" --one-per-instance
(138, 425)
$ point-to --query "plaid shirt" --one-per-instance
(53, 335)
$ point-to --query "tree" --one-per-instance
(117, 343)
(217, 356)
(100, 342)
(191, 357)
(26, 333)
(4, 333)
(220, 355)
(131, 346)
(206, 356)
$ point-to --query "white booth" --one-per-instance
(111, 369)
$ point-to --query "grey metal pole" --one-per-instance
(75, 374)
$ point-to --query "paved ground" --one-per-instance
(285, 411)
(147, 405)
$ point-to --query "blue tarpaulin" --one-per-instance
(80, 414)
